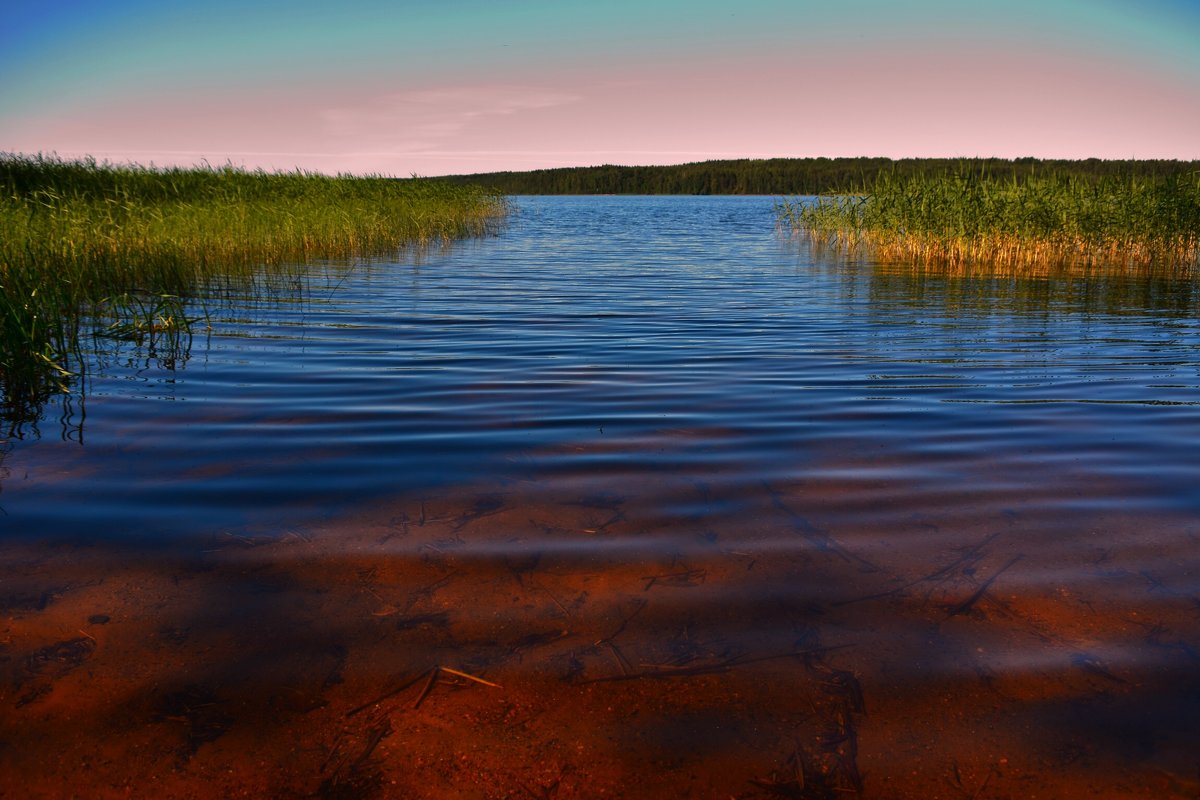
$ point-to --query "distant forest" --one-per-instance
(791, 176)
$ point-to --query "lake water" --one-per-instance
(810, 522)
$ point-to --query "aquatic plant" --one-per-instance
(970, 217)
(124, 248)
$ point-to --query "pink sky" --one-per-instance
(986, 98)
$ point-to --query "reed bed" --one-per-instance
(969, 218)
(124, 248)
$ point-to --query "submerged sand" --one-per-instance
(555, 641)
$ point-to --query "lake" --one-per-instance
(637, 498)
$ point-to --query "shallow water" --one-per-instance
(974, 496)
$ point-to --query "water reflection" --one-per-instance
(980, 292)
(139, 334)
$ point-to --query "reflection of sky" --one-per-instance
(434, 87)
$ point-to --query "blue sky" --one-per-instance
(434, 87)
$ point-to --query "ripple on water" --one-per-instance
(646, 436)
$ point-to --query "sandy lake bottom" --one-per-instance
(610, 652)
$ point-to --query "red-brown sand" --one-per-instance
(523, 641)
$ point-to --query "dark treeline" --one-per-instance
(791, 176)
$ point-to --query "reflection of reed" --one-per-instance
(982, 290)
(124, 247)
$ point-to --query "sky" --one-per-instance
(433, 87)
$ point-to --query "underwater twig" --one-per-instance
(969, 555)
(724, 665)
(967, 604)
(387, 695)
(437, 673)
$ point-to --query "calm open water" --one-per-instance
(686, 378)
(681, 333)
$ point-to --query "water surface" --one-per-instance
(970, 500)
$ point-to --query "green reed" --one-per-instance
(1035, 223)
(123, 248)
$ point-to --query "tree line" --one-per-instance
(793, 176)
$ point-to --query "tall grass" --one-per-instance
(1049, 221)
(125, 247)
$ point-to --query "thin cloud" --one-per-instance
(419, 120)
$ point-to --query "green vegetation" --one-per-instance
(792, 176)
(1050, 220)
(124, 249)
